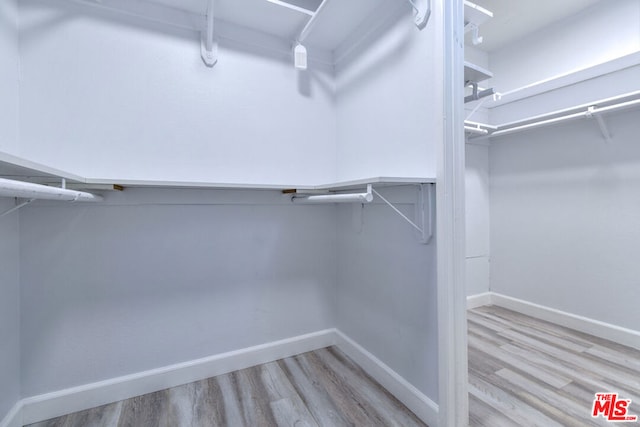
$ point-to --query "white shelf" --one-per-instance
(475, 73)
(278, 18)
(476, 15)
(17, 168)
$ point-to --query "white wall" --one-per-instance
(143, 283)
(9, 242)
(9, 309)
(565, 219)
(477, 218)
(386, 296)
(389, 102)
(600, 33)
(120, 98)
(9, 77)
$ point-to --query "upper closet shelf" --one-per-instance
(475, 74)
(322, 25)
(474, 16)
(16, 168)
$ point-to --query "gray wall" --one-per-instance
(477, 219)
(565, 218)
(9, 310)
(9, 242)
(141, 283)
(387, 289)
(9, 76)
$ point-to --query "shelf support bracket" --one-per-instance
(422, 12)
(424, 211)
(476, 38)
(208, 45)
(16, 207)
(591, 112)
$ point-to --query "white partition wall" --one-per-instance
(389, 99)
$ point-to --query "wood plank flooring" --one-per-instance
(322, 388)
(528, 372)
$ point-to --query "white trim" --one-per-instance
(424, 408)
(14, 417)
(478, 300)
(453, 399)
(43, 407)
(620, 335)
(55, 404)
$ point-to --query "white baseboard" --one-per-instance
(411, 397)
(478, 300)
(51, 405)
(14, 417)
(618, 334)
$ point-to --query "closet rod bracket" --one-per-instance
(424, 212)
(208, 44)
(422, 12)
(17, 206)
(592, 112)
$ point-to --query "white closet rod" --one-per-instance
(589, 112)
(605, 102)
(27, 190)
(336, 198)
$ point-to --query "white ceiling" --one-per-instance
(515, 19)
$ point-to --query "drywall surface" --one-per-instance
(386, 298)
(9, 76)
(154, 278)
(107, 96)
(9, 309)
(564, 218)
(477, 218)
(600, 33)
(389, 100)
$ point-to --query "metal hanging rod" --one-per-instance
(423, 206)
(336, 198)
(593, 110)
(28, 190)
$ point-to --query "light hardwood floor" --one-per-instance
(320, 388)
(527, 372)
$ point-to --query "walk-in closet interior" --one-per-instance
(552, 116)
(172, 183)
